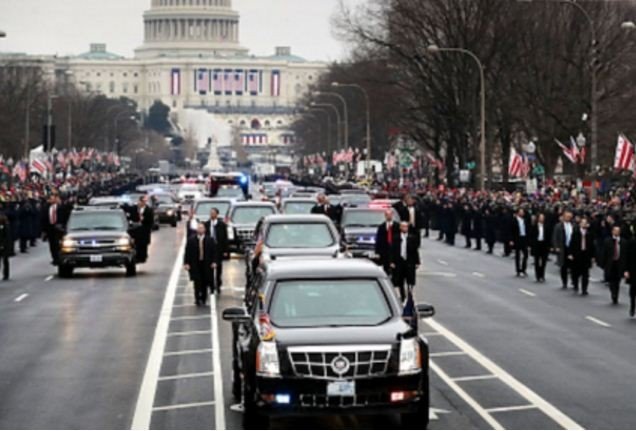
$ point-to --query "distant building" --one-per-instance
(191, 58)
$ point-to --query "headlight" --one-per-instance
(267, 363)
(124, 241)
(170, 213)
(68, 243)
(410, 356)
(230, 233)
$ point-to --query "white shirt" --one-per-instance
(540, 232)
(522, 226)
(193, 224)
(412, 216)
(568, 233)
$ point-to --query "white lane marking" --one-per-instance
(598, 321)
(474, 378)
(548, 409)
(146, 398)
(186, 376)
(438, 274)
(49, 278)
(183, 406)
(187, 352)
(443, 354)
(219, 412)
(466, 397)
(184, 306)
(527, 292)
(21, 297)
(433, 413)
(187, 333)
(511, 409)
(479, 274)
(431, 334)
(442, 262)
(188, 318)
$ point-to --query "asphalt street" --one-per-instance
(108, 352)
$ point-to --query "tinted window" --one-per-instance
(250, 215)
(203, 209)
(299, 235)
(298, 207)
(355, 200)
(92, 220)
(311, 303)
(364, 218)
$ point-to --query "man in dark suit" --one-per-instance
(323, 207)
(519, 242)
(405, 258)
(5, 244)
(615, 259)
(630, 275)
(540, 246)
(217, 230)
(563, 246)
(54, 220)
(583, 255)
(409, 212)
(387, 233)
(144, 215)
(200, 260)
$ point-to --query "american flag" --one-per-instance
(253, 82)
(175, 82)
(227, 82)
(20, 171)
(517, 166)
(624, 158)
(569, 152)
(38, 167)
(275, 82)
(203, 81)
(218, 82)
(239, 82)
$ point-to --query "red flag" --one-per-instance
(624, 158)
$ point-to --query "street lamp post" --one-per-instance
(482, 142)
(365, 93)
(346, 113)
(338, 117)
(49, 120)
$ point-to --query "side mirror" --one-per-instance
(236, 315)
(425, 311)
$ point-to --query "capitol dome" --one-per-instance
(191, 28)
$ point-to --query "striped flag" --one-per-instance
(624, 158)
(203, 81)
(569, 152)
(275, 83)
(38, 167)
(20, 171)
(218, 82)
(252, 86)
(227, 82)
(175, 82)
(239, 82)
(516, 164)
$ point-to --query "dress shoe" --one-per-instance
(631, 313)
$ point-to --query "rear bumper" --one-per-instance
(309, 397)
(82, 260)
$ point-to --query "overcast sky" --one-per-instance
(68, 26)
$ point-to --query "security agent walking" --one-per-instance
(519, 242)
(217, 230)
(615, 260)
(5, 245)
(563, 246)
(200, 261)
(583, 256)
(145, 217)
(405, 258)
(540, 246)
(54, 220)
(387, 233)
(630, 275)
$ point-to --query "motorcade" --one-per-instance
(358, 227)
(202, 207)
(297, 205)
(167, 208)
(109, 201)
(97, 237)
(222, 183)
(190, 192)
(133, 198)
(355, 200)
(325, 337)
(231, 192)
(241, 223)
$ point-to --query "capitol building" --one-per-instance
(192, 59)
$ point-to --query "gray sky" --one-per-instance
(68, 26)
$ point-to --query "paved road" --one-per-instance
(103, 351)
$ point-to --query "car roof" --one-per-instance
(312, 200)
(253, 204)
(96, 209)
(205, 200)
(327, 268)
(282, 218)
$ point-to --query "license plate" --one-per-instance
(341, 389)
(96, 258)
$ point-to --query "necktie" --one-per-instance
(403, 251)
(583, 240)
(54, 214)
(200, 248)
(389, 234)
(213, 230)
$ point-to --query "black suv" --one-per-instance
(97, 238)
(327, 336)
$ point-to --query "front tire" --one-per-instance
(131, 269)
(65, 271)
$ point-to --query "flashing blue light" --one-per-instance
(283, 398)
(243, 180)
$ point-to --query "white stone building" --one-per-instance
(192, 58)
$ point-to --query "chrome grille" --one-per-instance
(245, 234)
(96, 245)
(319, 362)
(323, 401)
